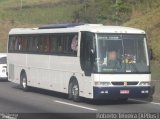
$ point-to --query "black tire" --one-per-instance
(73, 91)
(6, 80)
(69, 91)
(23, 82)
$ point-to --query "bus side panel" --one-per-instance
(85, 85)
(49, 72)
(67, 67)
(63, 68)
(38, 66)
(16, 62)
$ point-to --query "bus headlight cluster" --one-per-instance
(102, 92)
(144, 83)
(144, 91)
(102, 83)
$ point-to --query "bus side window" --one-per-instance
(33, 44)
(30, 40)
(16, 45)
(23, 44)
(67, 44)
(52, 43)
(74, 44)
(63, 43)
(39, 45)
(46, 44)
(43, 44)
(60, 44)
(12, 41)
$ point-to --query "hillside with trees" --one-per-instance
(144, 14)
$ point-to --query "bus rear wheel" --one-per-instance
(73, 91)
(23, 82)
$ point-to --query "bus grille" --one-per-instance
(124, 83)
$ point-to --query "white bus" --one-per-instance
(82, 60)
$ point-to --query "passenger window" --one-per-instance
(43, 44)
(46, 44)
(74, 44)
(16, 45)
(60, 44)
(65, 44)
(33, 44)
(53, 43)
(23, 44)
(12, 41)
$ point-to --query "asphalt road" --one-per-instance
(13, 100)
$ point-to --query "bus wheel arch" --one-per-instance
(73, 89)
(23, 80)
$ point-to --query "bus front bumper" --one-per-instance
(121, 92)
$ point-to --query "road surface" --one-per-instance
(13, 100)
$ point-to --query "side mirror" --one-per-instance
(151, 54)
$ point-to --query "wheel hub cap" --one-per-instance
(24, 83)
(75, 90)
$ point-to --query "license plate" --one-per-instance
(124, 91)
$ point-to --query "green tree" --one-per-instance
(122, 11)
(103, 11)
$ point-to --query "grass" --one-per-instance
(38, 16)
(17, 3)
(155, 69)
(44, 12)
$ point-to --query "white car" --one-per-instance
(3, 66)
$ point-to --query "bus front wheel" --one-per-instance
(74, 91)
(23, 82)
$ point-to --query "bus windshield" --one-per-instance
(121, 53)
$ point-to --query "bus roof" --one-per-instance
(66, 28)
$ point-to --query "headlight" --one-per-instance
(144, 83)
(102, 83)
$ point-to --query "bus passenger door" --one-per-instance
(86, 60)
